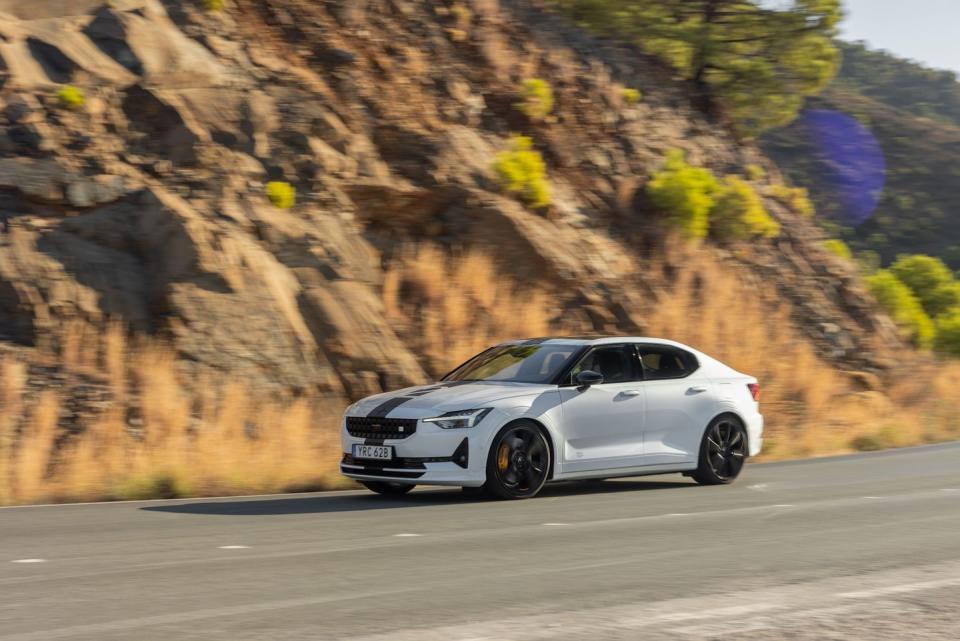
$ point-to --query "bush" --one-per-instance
(631, 96)
(213, 5)
(685, 194)
(756, 173)
(71, 97)
(796, 198)
(537, 98)
(838, 248)
(522, 172)
(281, 194)
(903, 307)
(948, 333)
(930, 280)
(739, 213)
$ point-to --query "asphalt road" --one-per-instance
(863, 547)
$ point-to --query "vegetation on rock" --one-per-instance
(536, 98)
(631, 96)
(522, 172)
(281, 194)
(71, 97)
(739, 213)
(903, 307)
(838, 248)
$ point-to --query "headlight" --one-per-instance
(460, 418)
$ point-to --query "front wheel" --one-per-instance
(518, 463)
(722, 452)
(386, 488)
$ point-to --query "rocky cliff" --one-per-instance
(147, 204)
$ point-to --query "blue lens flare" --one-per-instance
(852, 163)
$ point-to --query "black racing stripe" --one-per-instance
(381, 410)
(384, 408)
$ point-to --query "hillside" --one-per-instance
(150, 286)
(914, 113)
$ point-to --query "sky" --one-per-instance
(921, 30)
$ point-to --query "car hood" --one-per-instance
(429, 400)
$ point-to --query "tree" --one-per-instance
(930, 280)
(756, 60)
(903, 307)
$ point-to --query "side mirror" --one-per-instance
(587, 377)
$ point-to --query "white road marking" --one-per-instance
(784, 505)
(760, 487)
(555, 524)
(950, 489)
(874, 498)
(407, 534)
(234, 547)
(29, 561)
(899, 589)
(679, 514)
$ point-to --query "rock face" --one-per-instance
(147, 203)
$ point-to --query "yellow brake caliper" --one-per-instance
(503, 457)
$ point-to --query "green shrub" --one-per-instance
(756, 173)
(631, 96)
(281, 194)
(537, 98)
(71, 97)
(948, 333)
(838, 248)
(796, 198)
(930, 280)
(903, 307)
(213, 5)
(738, 213)
(522, 172)
(685, 194)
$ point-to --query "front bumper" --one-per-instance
(429, 456)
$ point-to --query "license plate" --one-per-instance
(381, 452)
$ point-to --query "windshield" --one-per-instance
(516, 364)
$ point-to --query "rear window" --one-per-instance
(663, 362)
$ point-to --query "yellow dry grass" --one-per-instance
(189, 437)
(167, 433)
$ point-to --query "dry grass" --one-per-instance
(450, 308)
(166, 433)
(176, 436)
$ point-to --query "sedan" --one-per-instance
(528, 412)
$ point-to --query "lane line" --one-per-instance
(899, 589)
(407, 534)
(555, 524)
(234, 547)
(29, 561)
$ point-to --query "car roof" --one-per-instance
(594, 340)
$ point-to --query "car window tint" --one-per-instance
(662, 362)
(614, 362)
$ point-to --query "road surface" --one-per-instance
(861, 547)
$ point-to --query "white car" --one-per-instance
(551, 409)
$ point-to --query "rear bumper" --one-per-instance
(754, 425)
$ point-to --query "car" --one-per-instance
(528, 412)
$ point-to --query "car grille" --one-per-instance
(380, 428)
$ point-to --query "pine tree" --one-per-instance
(756, 60)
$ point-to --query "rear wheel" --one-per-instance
(518, 462)
(722, 452)
(387, 488)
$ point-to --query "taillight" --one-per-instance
(754, 391)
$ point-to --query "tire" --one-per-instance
(518, 462)
(387, 488)
(723, 452)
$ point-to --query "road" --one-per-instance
(861, 547)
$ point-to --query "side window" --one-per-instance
(663, 362)
(617, 363)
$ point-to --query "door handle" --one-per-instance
(631, 392)
(697, 390)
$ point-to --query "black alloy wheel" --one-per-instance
(386, 488)
(723, 452)
(518, 463)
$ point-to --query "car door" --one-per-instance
(677, 399)
(603, 423)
